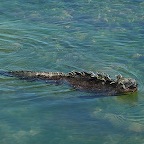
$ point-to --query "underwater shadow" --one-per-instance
(130, 98)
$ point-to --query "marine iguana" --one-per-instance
(89, 81)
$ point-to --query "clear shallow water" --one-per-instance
(63, 36)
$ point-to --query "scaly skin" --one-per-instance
(93, 82)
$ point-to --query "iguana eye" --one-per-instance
(123, 86)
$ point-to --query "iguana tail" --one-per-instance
(30, 75)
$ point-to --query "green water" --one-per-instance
(65, 35)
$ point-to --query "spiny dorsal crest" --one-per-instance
(99, 76)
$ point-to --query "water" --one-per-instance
(64, 35)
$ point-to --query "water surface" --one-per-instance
(62, 35)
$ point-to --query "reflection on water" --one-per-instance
(131, 98)
(88, 35)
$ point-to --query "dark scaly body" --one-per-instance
(98, 82)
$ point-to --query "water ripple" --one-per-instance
(88, 35)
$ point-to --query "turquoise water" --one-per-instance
(65, 35)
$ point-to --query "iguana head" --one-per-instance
(125, 85)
